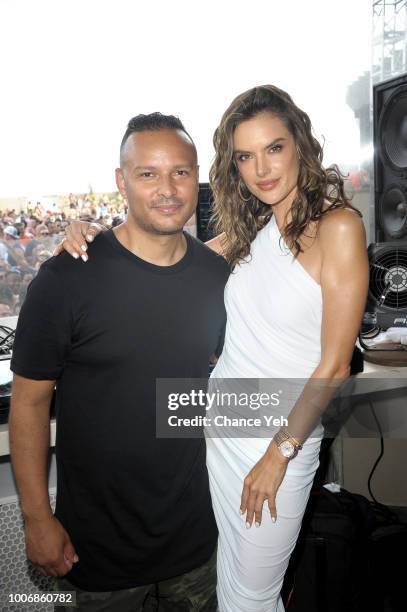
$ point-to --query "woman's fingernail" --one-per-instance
(241, 512)
(248, 525)
(84, 257)
(273, 518)
(75, 255)
(84, 247)
(89, 238)
(257, 524)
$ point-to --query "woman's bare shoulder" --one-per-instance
(342, 237)
(340, 221)
(217, 244)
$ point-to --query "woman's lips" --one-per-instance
(267, 185)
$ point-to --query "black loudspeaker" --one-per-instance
(204, 213)
(390, 160)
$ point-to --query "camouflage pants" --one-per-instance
(191, 592)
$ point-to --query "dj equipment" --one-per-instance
(387, 299)
(6, 341)
(203, 212)
(5, 396)
(390, 160)
(6, 345)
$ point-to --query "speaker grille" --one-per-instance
(390, 160)
(393, 211)
(17, 575)
(393, 130)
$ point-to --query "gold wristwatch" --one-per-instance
(287, 444)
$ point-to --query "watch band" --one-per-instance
(282, 435)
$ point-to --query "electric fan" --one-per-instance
(387, 298)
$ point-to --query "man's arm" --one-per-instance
(48, 545)
(29, 442)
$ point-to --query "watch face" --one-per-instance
(287, 449)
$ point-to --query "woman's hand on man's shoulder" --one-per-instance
(78, 234)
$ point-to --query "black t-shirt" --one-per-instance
(136, 507)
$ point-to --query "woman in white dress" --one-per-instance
(294, 303)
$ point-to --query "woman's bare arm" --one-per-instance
(218, 244)
(78, 233)
(344, 285)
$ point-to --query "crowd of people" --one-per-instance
(29, 236)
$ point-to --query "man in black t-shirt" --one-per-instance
(133, 511)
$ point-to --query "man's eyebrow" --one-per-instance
(268, 146)
(178, 166)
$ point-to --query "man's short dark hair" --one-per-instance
(152, 123)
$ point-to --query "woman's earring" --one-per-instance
(239, 191)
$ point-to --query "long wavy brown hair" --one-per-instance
(240, 214)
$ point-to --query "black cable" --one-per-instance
(373, 332)
(391, 516)
(363, 344)
(380, 455)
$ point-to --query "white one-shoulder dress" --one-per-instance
(274, 313)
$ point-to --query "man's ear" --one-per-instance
(120, 182)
